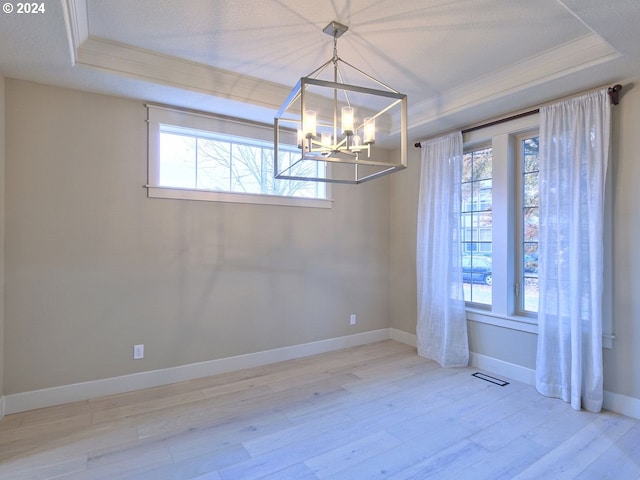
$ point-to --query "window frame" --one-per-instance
(219, 125)
(506, 203)
(519, 154)
(475, 209)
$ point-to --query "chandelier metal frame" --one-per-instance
(348, 157)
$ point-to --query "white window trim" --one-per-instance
(501, 139)
(158, 115)
(232, 197)
(519, 218)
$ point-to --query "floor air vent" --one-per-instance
(489, 378)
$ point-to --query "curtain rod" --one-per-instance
(614, 95)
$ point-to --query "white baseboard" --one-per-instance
(48, 397)
(489, 364)
(613, 402)
(622, 404)
(404, 337)
(502, 368)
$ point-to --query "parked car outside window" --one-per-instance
(476, 269)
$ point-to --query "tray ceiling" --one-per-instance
(459, 61)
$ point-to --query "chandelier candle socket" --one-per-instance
(335, 123)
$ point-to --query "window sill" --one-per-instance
(522, 324)
(210, 196)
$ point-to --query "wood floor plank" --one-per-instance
(295, 434)
(45, 468)
(298, 471)
(376, 411)
(394, 461)
(507, 461)
(624, 454)
(573, 455)
(347, 455)
(197, 467)
(202, 441)
(510, 428)
(452, 461)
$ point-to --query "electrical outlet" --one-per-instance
(352, 319)
(138, 352)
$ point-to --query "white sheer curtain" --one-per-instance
(574, 152)
(442, 324)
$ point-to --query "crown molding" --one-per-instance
(155, 67)
(146, 65)
(570, 58)
(76, 23)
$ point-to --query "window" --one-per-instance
(528, 155)
(199, 157)
(476, 219)
(499, 224)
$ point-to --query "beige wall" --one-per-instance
(404, 205)
(93, 266)
(2, 190)
(621, 363)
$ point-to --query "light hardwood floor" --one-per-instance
(370, 412)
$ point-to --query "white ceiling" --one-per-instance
(459, 61)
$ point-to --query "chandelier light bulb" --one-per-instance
(300, 141)
(325, 139)
(369, 131)
(347, 120)
(309, 123)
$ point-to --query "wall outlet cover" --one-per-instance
(138, 352)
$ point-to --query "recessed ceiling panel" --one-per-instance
(414, 45)
(459, 61)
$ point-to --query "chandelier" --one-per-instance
(330, 130)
